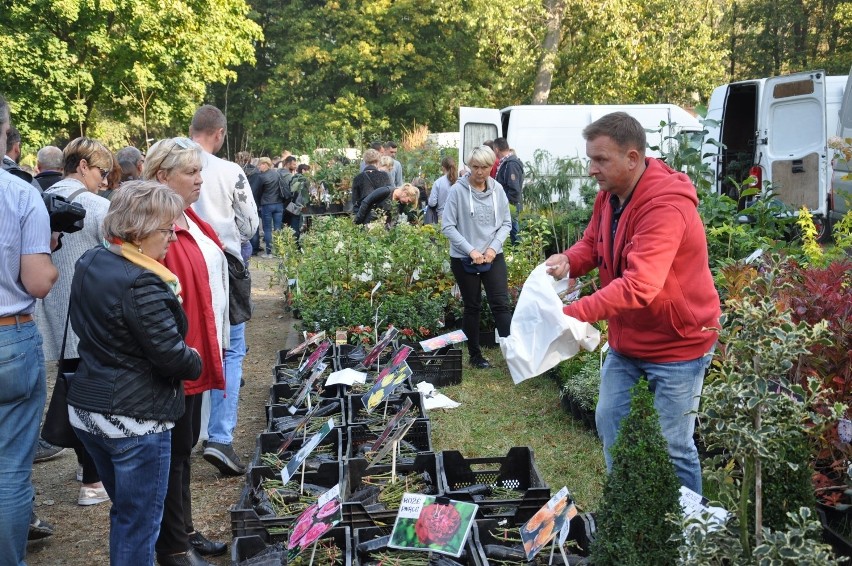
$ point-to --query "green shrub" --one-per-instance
(640, 494)
(580, 377)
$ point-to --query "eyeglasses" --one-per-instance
(169, 231)
(104, 172)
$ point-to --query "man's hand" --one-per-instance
(557, 266)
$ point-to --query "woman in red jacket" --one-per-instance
(200, 265)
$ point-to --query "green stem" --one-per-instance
(745, 490)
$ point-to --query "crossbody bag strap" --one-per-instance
(74, 195)
(65, 336)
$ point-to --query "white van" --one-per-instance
(777, 130)
(558, 128)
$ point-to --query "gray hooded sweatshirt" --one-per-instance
(476, 220)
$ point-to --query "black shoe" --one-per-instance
(46, 451)
(206, 547)
(224, 458)
(188, 558)
(480, 363)
(39, 529)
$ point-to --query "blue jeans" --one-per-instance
(677, 389)
(22, 394)
(224, 404)
(273, 219)
(135, 473)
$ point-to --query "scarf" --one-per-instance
(133, 255)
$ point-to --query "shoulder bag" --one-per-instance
(239, 297)
(57, 427)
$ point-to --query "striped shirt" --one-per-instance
(114, 426)
(24, 230)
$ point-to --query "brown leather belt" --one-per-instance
(15, 319)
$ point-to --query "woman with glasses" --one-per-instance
(86, 164)
(197, 259)
(127, 392)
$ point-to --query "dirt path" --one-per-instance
(82, 533)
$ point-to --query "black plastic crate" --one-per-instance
(330, 470)
(331, 408)
(368, 511)
(485, 540)
(355, 406)
(349, 356)
(471, 556)
(419, 437)
(286, 371)
(516, 471)
(246, 547)
(280, 393)
(245, 518)
(438, 369)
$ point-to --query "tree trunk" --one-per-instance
(550, 50)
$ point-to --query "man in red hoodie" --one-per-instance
(648, 243)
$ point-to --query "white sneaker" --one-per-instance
(92, 496)
(79, 472)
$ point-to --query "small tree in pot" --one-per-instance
(640, 494)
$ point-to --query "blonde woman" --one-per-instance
(383, 198)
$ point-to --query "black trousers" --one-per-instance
(495, 282)
(90, 472)
(177, 512)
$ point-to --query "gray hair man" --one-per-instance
(131, 160)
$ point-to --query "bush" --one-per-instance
(640, 494)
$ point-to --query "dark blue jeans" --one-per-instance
(496, 290)
(135, 473)
(273, 219)
(22, 395)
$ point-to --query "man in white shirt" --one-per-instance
(226, 203)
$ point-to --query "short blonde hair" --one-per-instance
(170, 154)
(94, 152)
(386, 161)
(139, 208)
(371, 156)
(412, 192)
(482, 156)
(265, 161)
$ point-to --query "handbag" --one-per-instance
(239, 296)
(57, 428)
(294, 209)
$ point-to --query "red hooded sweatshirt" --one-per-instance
(658, 293)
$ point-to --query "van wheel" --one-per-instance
(823, 226)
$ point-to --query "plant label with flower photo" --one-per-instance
(306, 388)
(314, 358)
(398, 357)
(374, 354)
(546, 523)
(315, 521)
(293, 465)
(432, 524)
(438, 342)
(315, 339)
(381, 390)
(341, 337)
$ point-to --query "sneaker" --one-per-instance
(480, 363)
(92, 496)
(39, 529)
(79, 474)
(46, 451)
(224, 458)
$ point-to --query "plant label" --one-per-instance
(304, 452)
(315, 339)
(314, 358)
(424, 523)
(315, 521)
(398, 435)
(439, 342)
(381, 390)
(374, 354)
(306, 388)
(546, 523)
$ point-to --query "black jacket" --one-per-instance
(365, 183)
(510, 174)
(47, 179)
(271, 183)
(379, 198)
(132, 354)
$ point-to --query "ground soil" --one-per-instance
(82, 533)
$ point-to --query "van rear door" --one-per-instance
(475, 126)
(841, 185)
(791, 142)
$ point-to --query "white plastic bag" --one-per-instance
(541, 334)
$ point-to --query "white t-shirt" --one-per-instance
(226, 202)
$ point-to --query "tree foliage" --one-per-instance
(77, 67)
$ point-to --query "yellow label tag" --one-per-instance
(341, 337)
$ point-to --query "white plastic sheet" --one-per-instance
(541, 334)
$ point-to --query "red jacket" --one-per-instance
(658, 293)
(185, 260)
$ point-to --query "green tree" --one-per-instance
(79, 66)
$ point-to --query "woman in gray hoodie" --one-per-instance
(477, 221)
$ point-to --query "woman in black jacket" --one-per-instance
(127, 392)
(382, 198)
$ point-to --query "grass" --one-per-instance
(496, 415)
